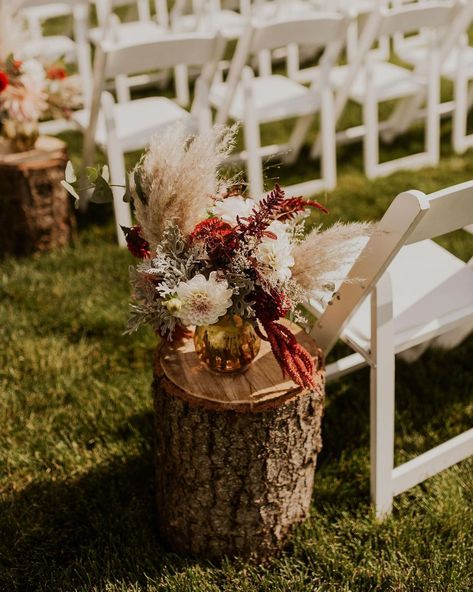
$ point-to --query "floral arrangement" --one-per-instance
(208, 251)
(29, 89)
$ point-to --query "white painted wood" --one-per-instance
(129, 125)
(382, 385)
(432, 462)
(277, 97)
(430, 303)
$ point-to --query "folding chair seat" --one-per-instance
(136, 121)
(256, 100)
(128, 126)
(403, 293)
(274, 97)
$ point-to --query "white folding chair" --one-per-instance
(256, 100)
(455, 64)
(374, 81)
(403, 290)
(128, 126)
(145, 28)
(53, 47)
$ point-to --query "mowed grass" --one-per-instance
(76, 440)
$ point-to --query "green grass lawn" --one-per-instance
(76, 438)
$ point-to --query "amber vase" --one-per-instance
(230, 345)
(22, 135)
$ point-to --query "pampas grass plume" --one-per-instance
(325, 256)
(180, 177)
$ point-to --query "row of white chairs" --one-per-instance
(256, 98)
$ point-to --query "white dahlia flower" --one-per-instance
(229, 208)
(203, 301)
(276, 253)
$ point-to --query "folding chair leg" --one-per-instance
(432, 129)
(297, 138)
(254, 165)
(329, 148)
(371, 140)
(382, 397)
(460, 115)
(181, 80)
(116, 163)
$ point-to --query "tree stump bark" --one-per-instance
(35, 210)
(235, 454)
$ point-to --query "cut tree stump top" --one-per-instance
(262, 386)
(45, 152)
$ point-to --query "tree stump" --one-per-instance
(235, 454)
(35, 210)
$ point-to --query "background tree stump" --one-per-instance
(35, 210)
(235, 454)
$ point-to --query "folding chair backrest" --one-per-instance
(411, 217)
(449, 210)
(325, 30)
(196, 49)
(316, 30)
(412, 17)
(105, 7)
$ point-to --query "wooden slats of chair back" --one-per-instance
(407, 19)
(392, 232)
(196, 49)
(317, 31)
(449, 209)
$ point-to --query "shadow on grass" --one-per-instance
(86, 531)
(100, 527)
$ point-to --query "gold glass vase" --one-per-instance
(22, 135)
(227, 346)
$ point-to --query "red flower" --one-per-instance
(218, 237)
(137, 245)
(56, 73)
(3, 81)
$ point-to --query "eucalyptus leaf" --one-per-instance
(70, 174)
(70, 189)
(102, 191)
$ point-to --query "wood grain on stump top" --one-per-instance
(261, 386)
(46, 149)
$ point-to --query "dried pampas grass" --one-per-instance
(12, 34)
(180, 178)
(324, 258)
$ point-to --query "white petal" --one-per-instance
(69, 174)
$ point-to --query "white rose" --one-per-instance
(230, 208)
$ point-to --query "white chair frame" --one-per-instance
(329, 30)
(387, 22)
(111, 61)
(411, 218)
